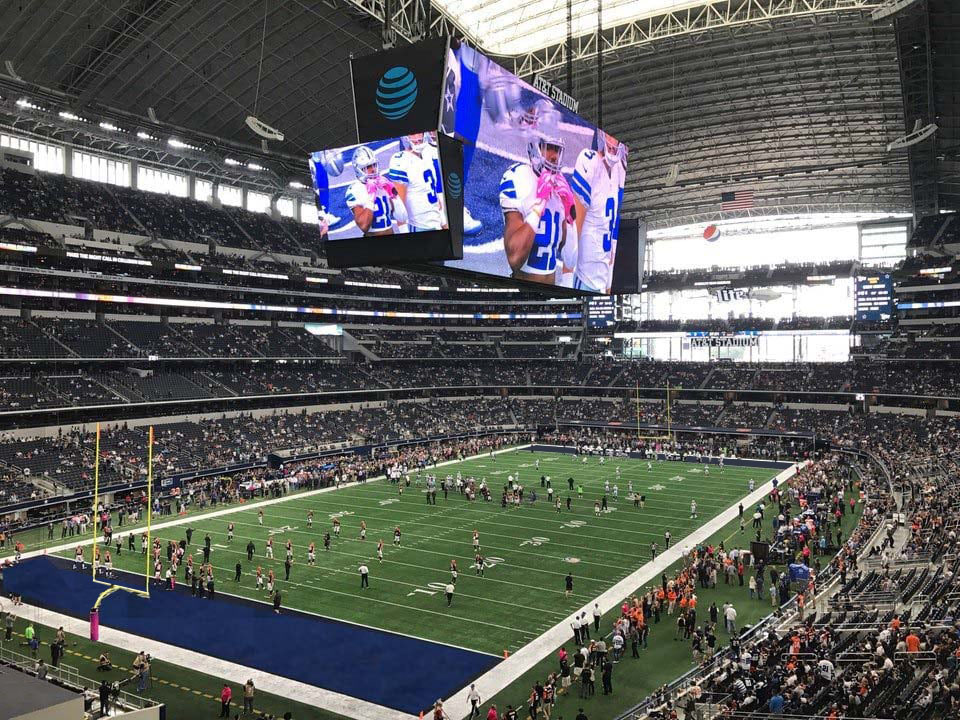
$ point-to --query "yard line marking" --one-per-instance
(353, 573)
(510, 537)
(249, 505)
(498, 678)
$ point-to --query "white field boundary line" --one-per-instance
(238, 674)
(503, 674)
(253, 506)
(329, 700)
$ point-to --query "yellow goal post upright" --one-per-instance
(670, 435)
(112, 587)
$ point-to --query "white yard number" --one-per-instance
(574, 523)
(390, 501)
(438, 587)
(342, 513)
(431, 589)
(536, 541)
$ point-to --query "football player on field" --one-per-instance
(537, 202)
(372, 198)
(415, 173)
(597, 183)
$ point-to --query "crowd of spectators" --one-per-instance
(302, 363)
(751, 276)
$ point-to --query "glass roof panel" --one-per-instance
(511, 27)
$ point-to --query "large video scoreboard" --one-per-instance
(462, 164)
(874, 300)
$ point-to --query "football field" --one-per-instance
(528, 550)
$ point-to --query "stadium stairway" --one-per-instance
(943, 228)
(213, 381)
(351, 344)
(707, 379)
(615, 378)
(51, 338)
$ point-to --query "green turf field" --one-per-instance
(529, 550)
(665, 659)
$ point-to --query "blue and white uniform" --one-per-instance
(381, 205)
(421, 176)
(518, 193)
(599, 187)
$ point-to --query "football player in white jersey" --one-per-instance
(537, 202)
(597, 183)
(372, 198)
(415, 173)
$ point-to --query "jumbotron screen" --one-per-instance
(543, 187)
(387, 187)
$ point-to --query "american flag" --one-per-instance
(739, 200)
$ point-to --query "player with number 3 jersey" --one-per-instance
(415, 172)
(597, 183)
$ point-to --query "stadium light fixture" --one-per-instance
(180, 145)
(110, 126)
(262, 129)
(297, 185)
(918, 135)
(231, 161)
(24, 103)
(146, 136)
(254, 166)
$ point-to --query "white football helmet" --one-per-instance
(501, 94)
(332, 162)
(545, 132)
(530, 117)
(613, 150)
(414, 142)
(363, 159)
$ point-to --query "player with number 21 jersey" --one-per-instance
(537, 201)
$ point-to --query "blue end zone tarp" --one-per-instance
(384, 668)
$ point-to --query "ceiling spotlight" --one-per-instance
(231, 161)
(297, 185)
(109, 126)
(254, 166)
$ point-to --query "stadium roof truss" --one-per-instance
(794, 99)
(658, 20)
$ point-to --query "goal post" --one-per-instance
(111, 586)
(670, 435)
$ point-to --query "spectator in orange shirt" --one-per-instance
(912, 641)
